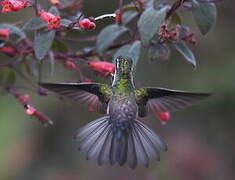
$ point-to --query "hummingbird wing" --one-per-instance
(94, 95)
(166, 100)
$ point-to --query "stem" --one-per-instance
(105, 16)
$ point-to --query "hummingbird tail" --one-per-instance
(140, 145)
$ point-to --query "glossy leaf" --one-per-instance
(34, 24)
(42, 43)
(131, 50)
(204, 15)
(128, 16)
(134, 51)
(108, 35)
(54, 11)
(65, 22)
(14, 30)
(158, 52)
(186, 52)
(122, 51)
(150, 21)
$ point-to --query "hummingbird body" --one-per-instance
(119, 137)
(122, 107)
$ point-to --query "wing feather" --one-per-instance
(89, 94)
(167, 100)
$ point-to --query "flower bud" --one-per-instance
(8, 51)
(164, 117)
(87, 24)
(55, 2)
(118, 17)
(104, 67)
(52, 20)
(30, 110)
(5, 33)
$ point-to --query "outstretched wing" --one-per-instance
(165, 100)
(93, 95)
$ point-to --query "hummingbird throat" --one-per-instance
(123, 82)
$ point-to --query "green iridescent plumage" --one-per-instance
(119, 137)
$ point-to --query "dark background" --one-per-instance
(200, 138)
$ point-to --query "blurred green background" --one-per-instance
(200, 138)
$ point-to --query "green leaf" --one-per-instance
(122, 51)
(204, 15)
(186, 52)
(7, 76)
(134, 51)
(42, 43)
(131, 50)
(175, 19)
(150, 21)
(54, 10)
(14, 30)
(34, 24)
(59, 46)
(158, 52)
(108, 35)
(128, 16)
(11, 77)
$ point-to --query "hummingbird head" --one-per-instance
(124, 65)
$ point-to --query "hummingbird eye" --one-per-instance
(125, 62)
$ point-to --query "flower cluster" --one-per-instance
(52, 20)
(176, 33)
(87, 24)
(169, 34)
(13, 5)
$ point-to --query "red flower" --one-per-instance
(13, 5)
(4, 32)
(87, 80)
(90, 109)
(30, 110)
(70, 64)
(87, 24)
(190, 37)
(52, 20)
(23, 98)
(104, 67)
(118, 17)
(55, 2)
(164, 117)
(9, 51)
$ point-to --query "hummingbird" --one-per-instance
(119, 137)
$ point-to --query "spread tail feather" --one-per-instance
(139, 146)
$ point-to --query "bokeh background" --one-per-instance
(200, 138)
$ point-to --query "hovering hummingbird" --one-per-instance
(119, 137)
